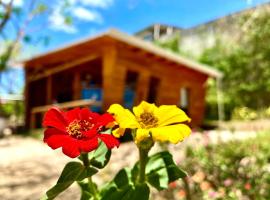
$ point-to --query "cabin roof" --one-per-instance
(132, 41)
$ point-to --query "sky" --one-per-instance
(94, 16)
(133, 15)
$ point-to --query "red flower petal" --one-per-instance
(109, 140)
(55, 138)
(105, 119)
(87, 114)
(90, 133)
(55, 118)
(73, 114)
(71, 148)
(88, 145)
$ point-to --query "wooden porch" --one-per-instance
(112, 68)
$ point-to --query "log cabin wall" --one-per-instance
(112, 65)
(57, 87)
(172, 77)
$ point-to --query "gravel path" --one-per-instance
(28, 167)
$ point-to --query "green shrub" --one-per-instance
(235, 170)
(244, 113)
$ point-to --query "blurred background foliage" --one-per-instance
(245, 64)
(23, 30)
(240, 171)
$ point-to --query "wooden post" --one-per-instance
(33, 121)
(113, 77)
(77, 87)
(49, 90)
(197, 103)
(142, 87)
(27, 117)
(168, 92)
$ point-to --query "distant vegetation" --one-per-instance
(245, 64)
(240, 171)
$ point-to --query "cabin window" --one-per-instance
(62, 90)
(130, 89)
(184, 99)
(40, 97)
(91, 82)
(153, 90)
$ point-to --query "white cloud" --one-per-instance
(16, 3)
(97, 3)
(87, 15)
(57, 22)
(80, 11)
(249, 2)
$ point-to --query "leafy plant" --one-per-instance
(235, 170)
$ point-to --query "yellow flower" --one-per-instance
(164, 123)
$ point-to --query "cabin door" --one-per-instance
(154, 84)
(130, 89)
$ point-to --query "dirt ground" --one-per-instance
(28, 167)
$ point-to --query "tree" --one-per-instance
(17, 29)
(245, 64)
(173, 43)
(25, 24)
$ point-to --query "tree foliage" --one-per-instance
(172, 43)
(244, 61)
(19, 25)
(245, 64)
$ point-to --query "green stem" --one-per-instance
(85, 159)
(92, 187)
(142, 163)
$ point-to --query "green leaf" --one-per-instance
(161, 170)
(122, 188)
(68, 20)
(17, 11)
(40, 8)
(87, 172)
(27, 38)
(101, 156)
(73, 171)
(86, 195)
(139, 192)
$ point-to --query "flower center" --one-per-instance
(148, 120)
(76, 127)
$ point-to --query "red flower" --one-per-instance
(77, 130)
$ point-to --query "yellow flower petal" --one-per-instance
(123, 116)
(141, 134)
(170, 114)
(118, 132)
(173, 133)
(144, 107)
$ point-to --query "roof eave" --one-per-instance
(148, 46)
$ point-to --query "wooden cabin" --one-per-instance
(113, 67)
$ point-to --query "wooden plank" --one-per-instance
(62, 67)
(49, 90)
(142, 87)
(77, 86)
(32, 121)
(113, 77)
(70, 104)
(27, 116)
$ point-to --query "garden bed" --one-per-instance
(28, 167)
